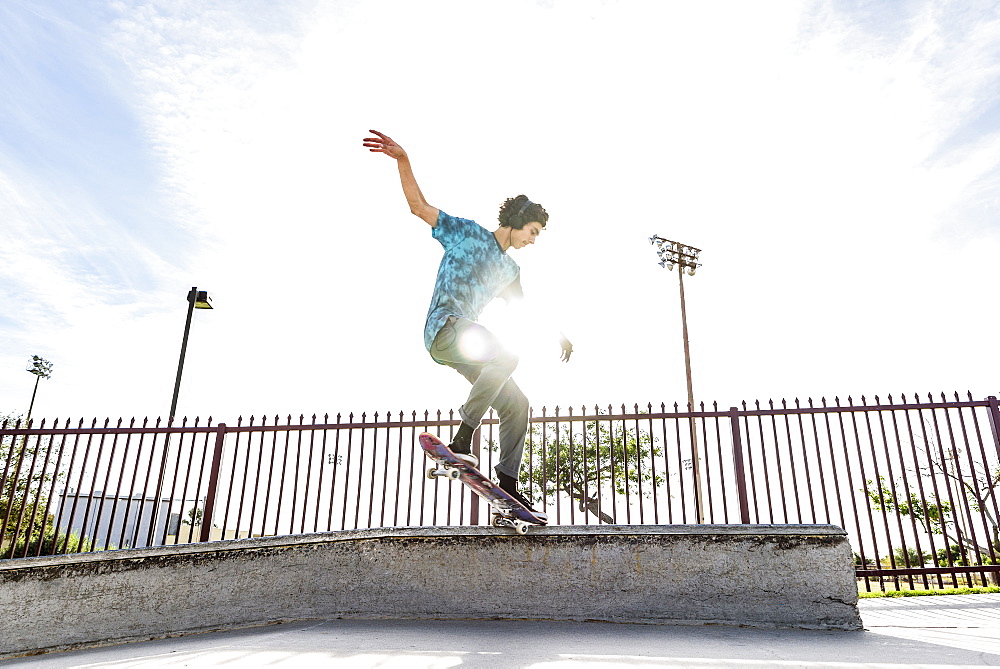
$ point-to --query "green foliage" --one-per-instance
(194, 516)
(868, 563)
(51, 544)
(972, 486)
(590, 465)
(906, 558)
(952, 556)
(922, 593)
(28, 470)
(888, 500)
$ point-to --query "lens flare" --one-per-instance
(476, 344)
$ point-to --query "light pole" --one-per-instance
(686, 258)
(196, 300)
(42, 369)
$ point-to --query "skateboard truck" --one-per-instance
(452, 473)
(501, 520)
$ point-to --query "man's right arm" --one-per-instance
(418, 205)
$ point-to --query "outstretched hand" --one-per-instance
(567, 349)
(384, 144)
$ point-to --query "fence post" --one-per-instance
(994, 414)
(741, 479)
(213, 484)
(474, 501)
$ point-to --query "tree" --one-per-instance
(952, 482)
(953, 555)
(908, 557)
(932, 515)
(590, 465)
(194, 516)
(27, 472)
(864, 564)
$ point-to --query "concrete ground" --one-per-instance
(939, 631)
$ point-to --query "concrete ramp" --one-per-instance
(752, 575)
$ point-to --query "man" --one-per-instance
(476, 269)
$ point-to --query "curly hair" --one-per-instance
(514, 213)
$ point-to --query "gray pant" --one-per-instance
(480, 357)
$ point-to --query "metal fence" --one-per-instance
(914, 483)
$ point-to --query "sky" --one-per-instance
(838, 163)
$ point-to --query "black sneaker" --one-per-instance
(461, 445)
(509, 485)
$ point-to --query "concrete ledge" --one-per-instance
(756, 575)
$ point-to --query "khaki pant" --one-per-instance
(479, 356)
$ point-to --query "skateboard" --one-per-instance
(508, 512)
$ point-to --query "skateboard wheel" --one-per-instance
(431, 473)
(454, 474)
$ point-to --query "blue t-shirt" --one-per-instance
(473, 271)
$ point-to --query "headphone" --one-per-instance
(517, 218)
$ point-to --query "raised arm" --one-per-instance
(418, 205)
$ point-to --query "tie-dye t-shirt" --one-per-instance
(473, 271)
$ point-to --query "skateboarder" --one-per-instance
(476, 269)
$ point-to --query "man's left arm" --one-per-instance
(514, 296)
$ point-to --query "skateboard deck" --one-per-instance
(508, 512)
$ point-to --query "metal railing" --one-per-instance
(914, 483)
